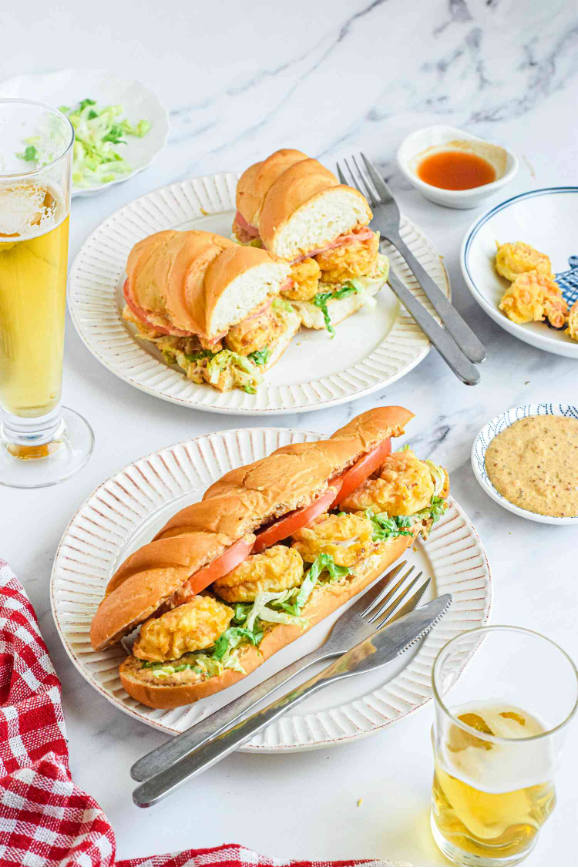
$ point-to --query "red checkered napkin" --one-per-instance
(44, 818)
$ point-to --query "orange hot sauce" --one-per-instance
(455, 170)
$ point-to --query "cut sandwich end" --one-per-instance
(319, 222)
(246, 294)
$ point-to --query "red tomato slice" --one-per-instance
(295, 520)
(218, 568)
(362, 468)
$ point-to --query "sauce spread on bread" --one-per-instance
(534, 464)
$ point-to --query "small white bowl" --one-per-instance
(427, 141)
(69, 86)
(496, 426)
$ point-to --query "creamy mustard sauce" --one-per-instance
(534, 464)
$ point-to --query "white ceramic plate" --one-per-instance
(126, 512)
(371, 349)
(547, 220)
(496, 426)
(70, 86)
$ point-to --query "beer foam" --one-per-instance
(493, 767)
(28, 210)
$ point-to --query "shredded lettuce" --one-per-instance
(260, 357)
(386, 527)
(97, 133)
(247, 373)
(280, 304)
(438, 476)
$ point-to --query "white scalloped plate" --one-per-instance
(370, 350)
(128, 509)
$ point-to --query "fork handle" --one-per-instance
(178, 747)
(446, 347)
(458, 328)
(153, 790)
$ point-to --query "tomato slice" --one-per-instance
(218, 568)
(295, 520)
(362, 468)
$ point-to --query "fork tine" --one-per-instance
(411, 604)
(385, 596)
(385, 611)
(340, 174)
(369, 192)
(369, 189)
(375, 594)
(380, 185)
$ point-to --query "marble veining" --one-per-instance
(330, 77)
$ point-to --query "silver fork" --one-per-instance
(355, 625)
(457, 344)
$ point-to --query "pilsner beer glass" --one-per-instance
(497, 738)
(41, 443)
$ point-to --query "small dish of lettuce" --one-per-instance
(120, 124)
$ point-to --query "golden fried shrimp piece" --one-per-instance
(573, 322)
(517, 258)
(403, 486)
(276, 569)
(306, 276)
(254, 333)
(352, 260)
(533, 297)
(347, 538)
(190, 627)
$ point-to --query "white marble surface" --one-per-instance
(326, 76)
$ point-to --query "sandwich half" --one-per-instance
(271, 549)
(210, 306)
(294, 207)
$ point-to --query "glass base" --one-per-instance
(39, 465)
(461, 857)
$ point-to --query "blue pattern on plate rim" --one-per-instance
(568, 281)
(504, 420)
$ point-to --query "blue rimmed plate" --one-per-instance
(547, 220)
(496, 426)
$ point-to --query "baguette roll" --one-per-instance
(232, 508)
(296, 205)
(199, 283)
(182, 688)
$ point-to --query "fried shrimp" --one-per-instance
(533, 297)
(404, 485)
(276, 569)
(255, 333)
(190, 627)
(350, 261)
(306, 276)
(347, 538)
(518, 258)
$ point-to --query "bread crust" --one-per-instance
(236, 505)
(255, 182)
(328, 599)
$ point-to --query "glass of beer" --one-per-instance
(41, 443)
(497, 739)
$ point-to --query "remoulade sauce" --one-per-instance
(455, 170)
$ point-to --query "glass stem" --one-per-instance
(31, 431)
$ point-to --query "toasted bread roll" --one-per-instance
(297, 205)
(185, 687)
(199, 283)
(238, 504)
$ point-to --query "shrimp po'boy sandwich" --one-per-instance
(294, 207)
(210, 305)
(271, 549)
